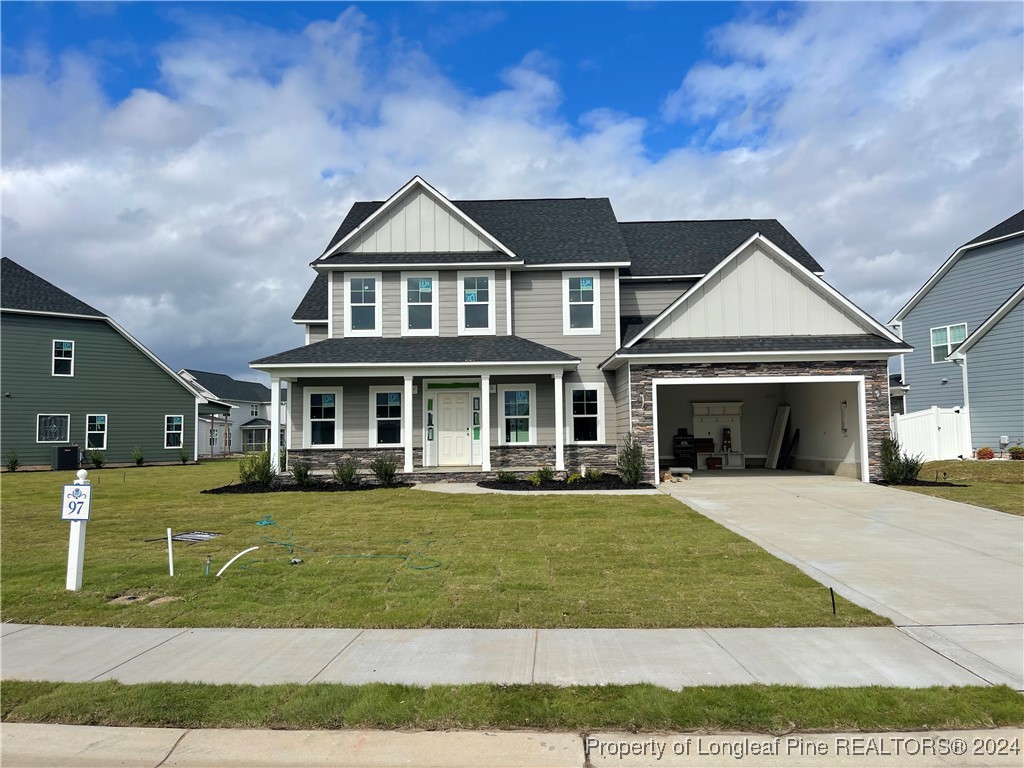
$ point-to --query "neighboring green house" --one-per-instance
(72, 376)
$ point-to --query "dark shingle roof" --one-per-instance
(314, 304)
(224, 387)
(465, 257)
(27, 291)
(764, 344)
(251, 423)
(895, 380)
(543, 231)
(1010, 226)
(697, 247)
(426, 349)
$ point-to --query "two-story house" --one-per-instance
(966, 325)
(71, 376)
(246, 428)
(479, 334)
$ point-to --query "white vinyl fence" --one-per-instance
(937, 433)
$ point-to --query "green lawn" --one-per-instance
(757, 708)
(993, 484)
(503, 560)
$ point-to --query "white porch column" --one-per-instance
(275, 423)
(559, 423)
(485, 422)
(407, 422)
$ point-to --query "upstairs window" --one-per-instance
(581, 310)
(96, 431)
(63, 358)
(254, 410)
(174, 431)
(385, 416)
(362, 305)
(419, 304)
(476, 303)
(946, 339)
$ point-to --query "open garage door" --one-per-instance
(731, 421)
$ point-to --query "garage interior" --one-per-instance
(732, 425)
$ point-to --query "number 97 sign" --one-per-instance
(76, 503)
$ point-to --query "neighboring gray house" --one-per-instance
(965, 326)
(70, 375)
(246, 428)
(473, 335)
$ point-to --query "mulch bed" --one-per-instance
(606, 483)
(925, 484)
(317, 486)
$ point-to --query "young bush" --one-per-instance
(505, 476)
(345, 472)
(1017, 451)
(255, 469)
(384, 469)
(12, 460)
(98, 459)
(593, 474)
(632, 465)
(302, 471)
(574, 478)
(546, 474)
(535, 479)
(898, 466)
(984, 453)
(183, 455)
(137, 456)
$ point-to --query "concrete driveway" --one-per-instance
(949, 575)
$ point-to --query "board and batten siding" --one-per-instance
(994, 372)
(111, 376)
(418, 224)
(979, 283)
(649, 299)
(448, 301)
(756, 294)
(537, 306)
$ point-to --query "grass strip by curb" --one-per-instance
(753, 708)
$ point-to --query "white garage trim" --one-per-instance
(861, 401)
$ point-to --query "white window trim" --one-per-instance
(569, 420)
(106, 426)
(374, 391)
(214, 438)
(434, 329)
(596, 329)
(66, 439)
(53, 360)
(307, 431)
(379, 290)
(500, 416)
(491, 285)
(949, 344)
(254, 409)
(170, 432)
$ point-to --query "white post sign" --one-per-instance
(76, 505)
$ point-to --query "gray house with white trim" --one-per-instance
(480, 334)
(966, 328)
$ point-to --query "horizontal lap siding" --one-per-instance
(994, 368)
(112, 377)
(978, 284)
(355, 408)
(650, 299)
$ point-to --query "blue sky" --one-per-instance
(178, 165)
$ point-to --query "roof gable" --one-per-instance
(760, 291)
(992, 321)
(223, 387)
(26, 291)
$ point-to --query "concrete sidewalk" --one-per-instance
(71, 746)
(673, 658)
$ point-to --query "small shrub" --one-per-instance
(183, 455)
(632, 465)
(984, 453)
(384, 468)
(574, 478)
(546, 474)
(345, 472)
(505, 476)
(137, 456)
(255, 469)
(898, 466)
(98, 459)
(593, 474)
(535, 479)
(1016, 451)
(302, 471)
(12, 460)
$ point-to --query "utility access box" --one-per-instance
(65, 457)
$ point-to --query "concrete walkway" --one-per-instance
(949, 575)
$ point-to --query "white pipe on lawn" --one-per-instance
(170, 553)
(229, 562)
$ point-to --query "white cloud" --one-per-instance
(882, 136)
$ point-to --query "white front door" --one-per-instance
(454, 429)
